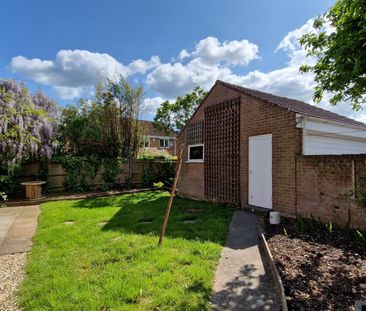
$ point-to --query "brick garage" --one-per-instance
(232, 116)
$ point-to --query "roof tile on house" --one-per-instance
(149, 129)
(294, 105)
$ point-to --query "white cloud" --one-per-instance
(74, 72)
(211, 51)
(183, 54)
(234, 52)
(142, 66)
(66, 92)
(75, 68)
(209, 61)
(150, 105)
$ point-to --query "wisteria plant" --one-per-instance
(27, 125)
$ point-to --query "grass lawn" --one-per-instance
(102, 254)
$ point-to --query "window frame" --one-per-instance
(146, 142)
(165, 144)
(196, 160)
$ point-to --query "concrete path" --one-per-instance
(17, 227)
(243, 280)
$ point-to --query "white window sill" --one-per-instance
(195, 161)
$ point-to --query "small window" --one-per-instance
(195, 153)
(145, 143)
(164, 143)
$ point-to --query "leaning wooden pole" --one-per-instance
(169, 206)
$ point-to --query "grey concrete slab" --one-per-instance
(243, 280)
(5, 224)
(17, 227)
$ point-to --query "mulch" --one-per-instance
(321, 270)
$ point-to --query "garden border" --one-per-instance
(276, 276)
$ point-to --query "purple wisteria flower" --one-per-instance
(27, 124)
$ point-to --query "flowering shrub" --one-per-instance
(27, 125)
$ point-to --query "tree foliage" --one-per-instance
(106, 125)
(172, 116)
(341, 53)
(27, 125)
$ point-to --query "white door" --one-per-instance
(260, 170)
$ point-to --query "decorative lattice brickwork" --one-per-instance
(194, 133)
(222, 152)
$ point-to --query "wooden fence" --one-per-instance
(131, 172)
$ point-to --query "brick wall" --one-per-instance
(325, 188)
(154, 143)
(259, 118)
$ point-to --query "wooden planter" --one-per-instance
(33, 189)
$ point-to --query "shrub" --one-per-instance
(79, 170)
(9, 183)
(3, 199)
(111, 169)
(154, 154)
(162, 172)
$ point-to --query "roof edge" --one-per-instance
(242, 90)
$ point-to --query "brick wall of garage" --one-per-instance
(259, 118)
(326, 186)
(320, 186)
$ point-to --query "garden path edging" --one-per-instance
(276, 276)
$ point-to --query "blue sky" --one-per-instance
(63, 47)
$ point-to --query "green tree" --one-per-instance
(340, 68)
(172, 116)
(106, 125)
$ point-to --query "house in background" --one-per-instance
(158, 140)
(254, 149)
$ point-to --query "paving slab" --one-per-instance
(5, 223)
(17, 227)
(243, 280)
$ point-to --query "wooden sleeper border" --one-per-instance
(276, 276)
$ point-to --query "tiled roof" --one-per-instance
(148, 129)
(294, 105)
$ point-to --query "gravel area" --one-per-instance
(11, 275)
(320, 270)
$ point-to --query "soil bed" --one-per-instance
(320, 270)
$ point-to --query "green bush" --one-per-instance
(111, 169)
(151, 154)
(161, 172)
(79, 169)
(9, 183)
(3, 199)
